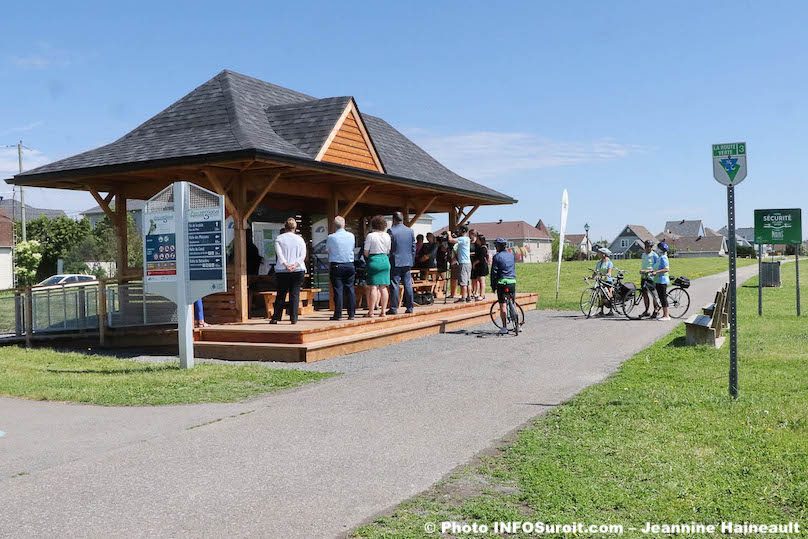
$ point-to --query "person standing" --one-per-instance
(340, 247)
(662, 279)
(402, 256)
(377, 255)
(603, 269)
(463, 243)
(649, 261)
(290, 268)
(479, 268)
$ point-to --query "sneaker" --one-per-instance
(503, 331)
(460, 300)
(468, 299)
(664, 318)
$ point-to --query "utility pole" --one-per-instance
(22, 193)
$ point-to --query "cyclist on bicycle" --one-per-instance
(503, 279)
(649, 262)
(603, 270)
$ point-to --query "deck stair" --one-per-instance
(318, 339)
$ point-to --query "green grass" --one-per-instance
(42, 374)
(659, 441)
(541, 278)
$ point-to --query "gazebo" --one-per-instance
(264, 146)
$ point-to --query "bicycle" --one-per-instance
(602, 293)
(514, 314)
(678, 300)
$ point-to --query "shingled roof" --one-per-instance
(683, 227)
(233, 115)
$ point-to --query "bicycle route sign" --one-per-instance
(729, 163)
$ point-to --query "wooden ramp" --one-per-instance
(315, 337)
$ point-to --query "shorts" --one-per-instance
(464, 278)
(501, 291)
(662, 292)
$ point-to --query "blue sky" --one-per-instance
(616, 101)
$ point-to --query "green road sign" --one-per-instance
(778, 226)
(729, 163)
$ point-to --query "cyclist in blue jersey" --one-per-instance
(503, 278)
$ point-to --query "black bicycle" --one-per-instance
(678, 299)
(514, 314)
(603, 293)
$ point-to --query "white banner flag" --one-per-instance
(565, 206)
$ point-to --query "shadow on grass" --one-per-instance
(678, 342)
(145, 369)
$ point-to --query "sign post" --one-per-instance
(184, 256)
(782, 226)
(729, 168)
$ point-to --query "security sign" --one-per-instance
(729, 163)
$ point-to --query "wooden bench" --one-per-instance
(305, 306)
(708, 327)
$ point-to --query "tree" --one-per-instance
(27, 257)
(101, 245)
(56, 237)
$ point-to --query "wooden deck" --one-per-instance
(315, 337)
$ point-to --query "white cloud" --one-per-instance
(9, 165)
(488, 154)
(43, 56)
(23, 128)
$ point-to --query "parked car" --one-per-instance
(66, 279)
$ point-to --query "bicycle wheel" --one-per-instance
(588, 300)
(513, 317)
(678, 302)
(494, 314)
(631, 301)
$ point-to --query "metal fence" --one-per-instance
(75, 308)
(129, 305)
(11, 313)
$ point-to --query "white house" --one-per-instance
(6, 248)
(528, 243)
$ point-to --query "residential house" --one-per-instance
(744, 237)
(134, 207)
(687, 228)
(6, 251)
(529, 244)
(704, 246)
(12, 208)
(581, 242)
(629, 243)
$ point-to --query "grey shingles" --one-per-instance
(233, 112)
(307, 124)
(13, 208)
(691, 229)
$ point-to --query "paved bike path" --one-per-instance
(311, 462)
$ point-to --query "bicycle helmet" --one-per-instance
(663, 246)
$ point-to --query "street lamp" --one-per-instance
(586, 229)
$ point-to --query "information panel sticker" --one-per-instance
(205, 237)
(778, 226)
(160, 247)
(205, 243)
(729, 163)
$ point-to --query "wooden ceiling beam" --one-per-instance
(355, 200)
(271, 183)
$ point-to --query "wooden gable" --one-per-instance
(349, 143)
